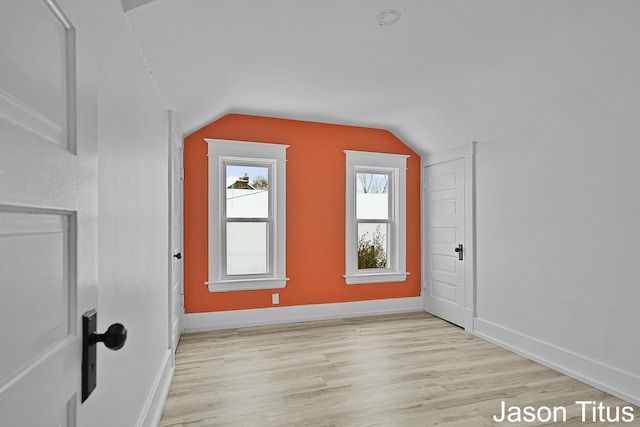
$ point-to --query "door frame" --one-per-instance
(175, 143)
(468, 153)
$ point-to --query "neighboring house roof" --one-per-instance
(242, 183)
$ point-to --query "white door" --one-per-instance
(176, 299)
(445, 234)
(48, 208)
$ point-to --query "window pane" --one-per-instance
(246, 248)
(372, 196)
(247, 191)
(373, 243)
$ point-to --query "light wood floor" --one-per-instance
(397, 370)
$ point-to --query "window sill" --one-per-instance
(360, 279)
(246, 284)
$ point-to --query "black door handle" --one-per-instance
(460, 252)
(178, 255)
(114, 338)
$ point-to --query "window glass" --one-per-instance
(373, 244)
(246, 248)
(372, 195)
(247, 188)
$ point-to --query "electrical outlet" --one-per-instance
(275, 298)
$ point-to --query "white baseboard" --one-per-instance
(468, 320)
(624, 385)
(195, 322)
(158, 396)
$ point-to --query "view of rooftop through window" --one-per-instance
(257, 177)
(247, 196)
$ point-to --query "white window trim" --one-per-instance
(219, 152)
(396, 164)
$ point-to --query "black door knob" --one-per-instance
(114, 338)
(460, 252)
(178, 255)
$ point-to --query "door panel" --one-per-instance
(444, 291)
(35, 68)
(47, 212)
(36, 247)
(443, 263)
(445, 288)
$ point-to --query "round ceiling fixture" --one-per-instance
(388, 17)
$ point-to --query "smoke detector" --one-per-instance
(388, 17)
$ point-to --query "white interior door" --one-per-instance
(177, 293)
(48, 207)
(445, 219)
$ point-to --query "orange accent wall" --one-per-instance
(315, 221)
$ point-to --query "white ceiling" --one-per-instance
(449, 72)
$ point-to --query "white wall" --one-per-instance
(133, 224)
(558, 233)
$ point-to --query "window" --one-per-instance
(247, 203)
(375, 241)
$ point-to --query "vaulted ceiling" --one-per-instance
(448, 72)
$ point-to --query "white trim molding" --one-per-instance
(462, 151)
(395, 166)
(154, 405)
(360, 279)
(196, 322)
(273, 157)
(624, 385)
(246, 284)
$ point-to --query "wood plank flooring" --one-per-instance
(397, 370)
